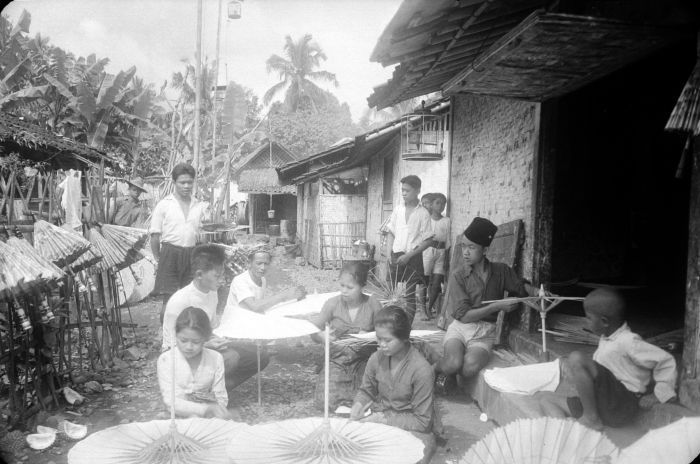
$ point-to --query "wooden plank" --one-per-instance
(689, 391)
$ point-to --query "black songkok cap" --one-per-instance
(481, 231)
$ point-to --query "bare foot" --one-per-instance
(591, 422)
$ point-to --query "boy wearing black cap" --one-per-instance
(470, 337)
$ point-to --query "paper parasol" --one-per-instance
(324, 440)
(368, 443)
(676, 443)
(242, 324)
(88, 259)
(415, 333)
(312, 303)
(22, 268)
(124, 444)
(128, 240)
(545, 439)
(57, 244)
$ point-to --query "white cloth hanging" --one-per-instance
(524, 380)
(71, 198)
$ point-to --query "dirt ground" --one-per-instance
(131, 389)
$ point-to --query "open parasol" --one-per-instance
(676, 443)
(239, 323)
(126, 443)
(311, 304)
(324, 440)
(542, 303)
(545, 439)
(57, 244)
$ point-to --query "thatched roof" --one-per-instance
(33, 142)
(263, 180)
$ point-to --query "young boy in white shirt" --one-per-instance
(435, 257)
(613, 385)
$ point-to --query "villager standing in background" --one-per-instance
(174, 225)
(409, 235)
(129, 212)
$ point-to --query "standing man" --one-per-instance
(129, 211)
(409, 235)
(174, 225)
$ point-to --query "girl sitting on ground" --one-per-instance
(200, 389)
(398, 382)
(352, 311)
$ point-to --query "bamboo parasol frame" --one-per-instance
(542, 303)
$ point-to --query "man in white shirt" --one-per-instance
(409, 235)
(174, 225)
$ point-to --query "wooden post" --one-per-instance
(198, 88)
(689, 391)
(542, 202)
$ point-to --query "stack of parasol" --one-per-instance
(88, 259)
(57, 244)
(23, 270)
(118, 245)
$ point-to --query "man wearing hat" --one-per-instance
(129, 211)
(470, 336)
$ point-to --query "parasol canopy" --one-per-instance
(415, 333)
(57, 244)
(311, 304)
(125, 243)
(545, 439)
(369, 443)
(676, 443)
(22, 268)
(124, 444)
(686, 114)
(248, 325)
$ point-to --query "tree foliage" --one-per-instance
(297, 73)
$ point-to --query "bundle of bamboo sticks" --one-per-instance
(572, 329)
(57, 244)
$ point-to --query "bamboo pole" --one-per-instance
(198, 88)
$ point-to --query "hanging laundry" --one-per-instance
(71, 198)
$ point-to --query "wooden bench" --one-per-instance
(505, 248)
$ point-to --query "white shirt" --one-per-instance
(635, 362)
(184, 298)
(409, 234)
(208, 377)
(243, 288)
(170, 222)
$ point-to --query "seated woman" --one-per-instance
(352, 311)
(398, 382)
(200, 389)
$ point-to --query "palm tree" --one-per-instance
(297, 72)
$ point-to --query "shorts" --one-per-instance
(617, 406)
(434, 261)
(411, 272)
(174, 269)
(479, 334)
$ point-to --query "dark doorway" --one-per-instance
(620, 216)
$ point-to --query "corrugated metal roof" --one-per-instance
(263, 180)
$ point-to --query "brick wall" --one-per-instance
(493, 151)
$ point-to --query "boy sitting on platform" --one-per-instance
(613, 385)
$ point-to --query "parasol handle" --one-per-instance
(172, 385)
(257, 350)
(327, 374)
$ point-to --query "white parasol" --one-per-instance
(676, 443)
(124, 444)
(324, 440)
(239, 323)
(545, 439)
(415, 333)
(311, 304)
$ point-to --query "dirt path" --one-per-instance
(131, 388)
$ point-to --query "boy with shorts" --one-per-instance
(470, 337)
(435, 256)
(614, 384)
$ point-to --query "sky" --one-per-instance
(156, 35)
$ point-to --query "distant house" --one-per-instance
(255, 175)
(346, 192)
